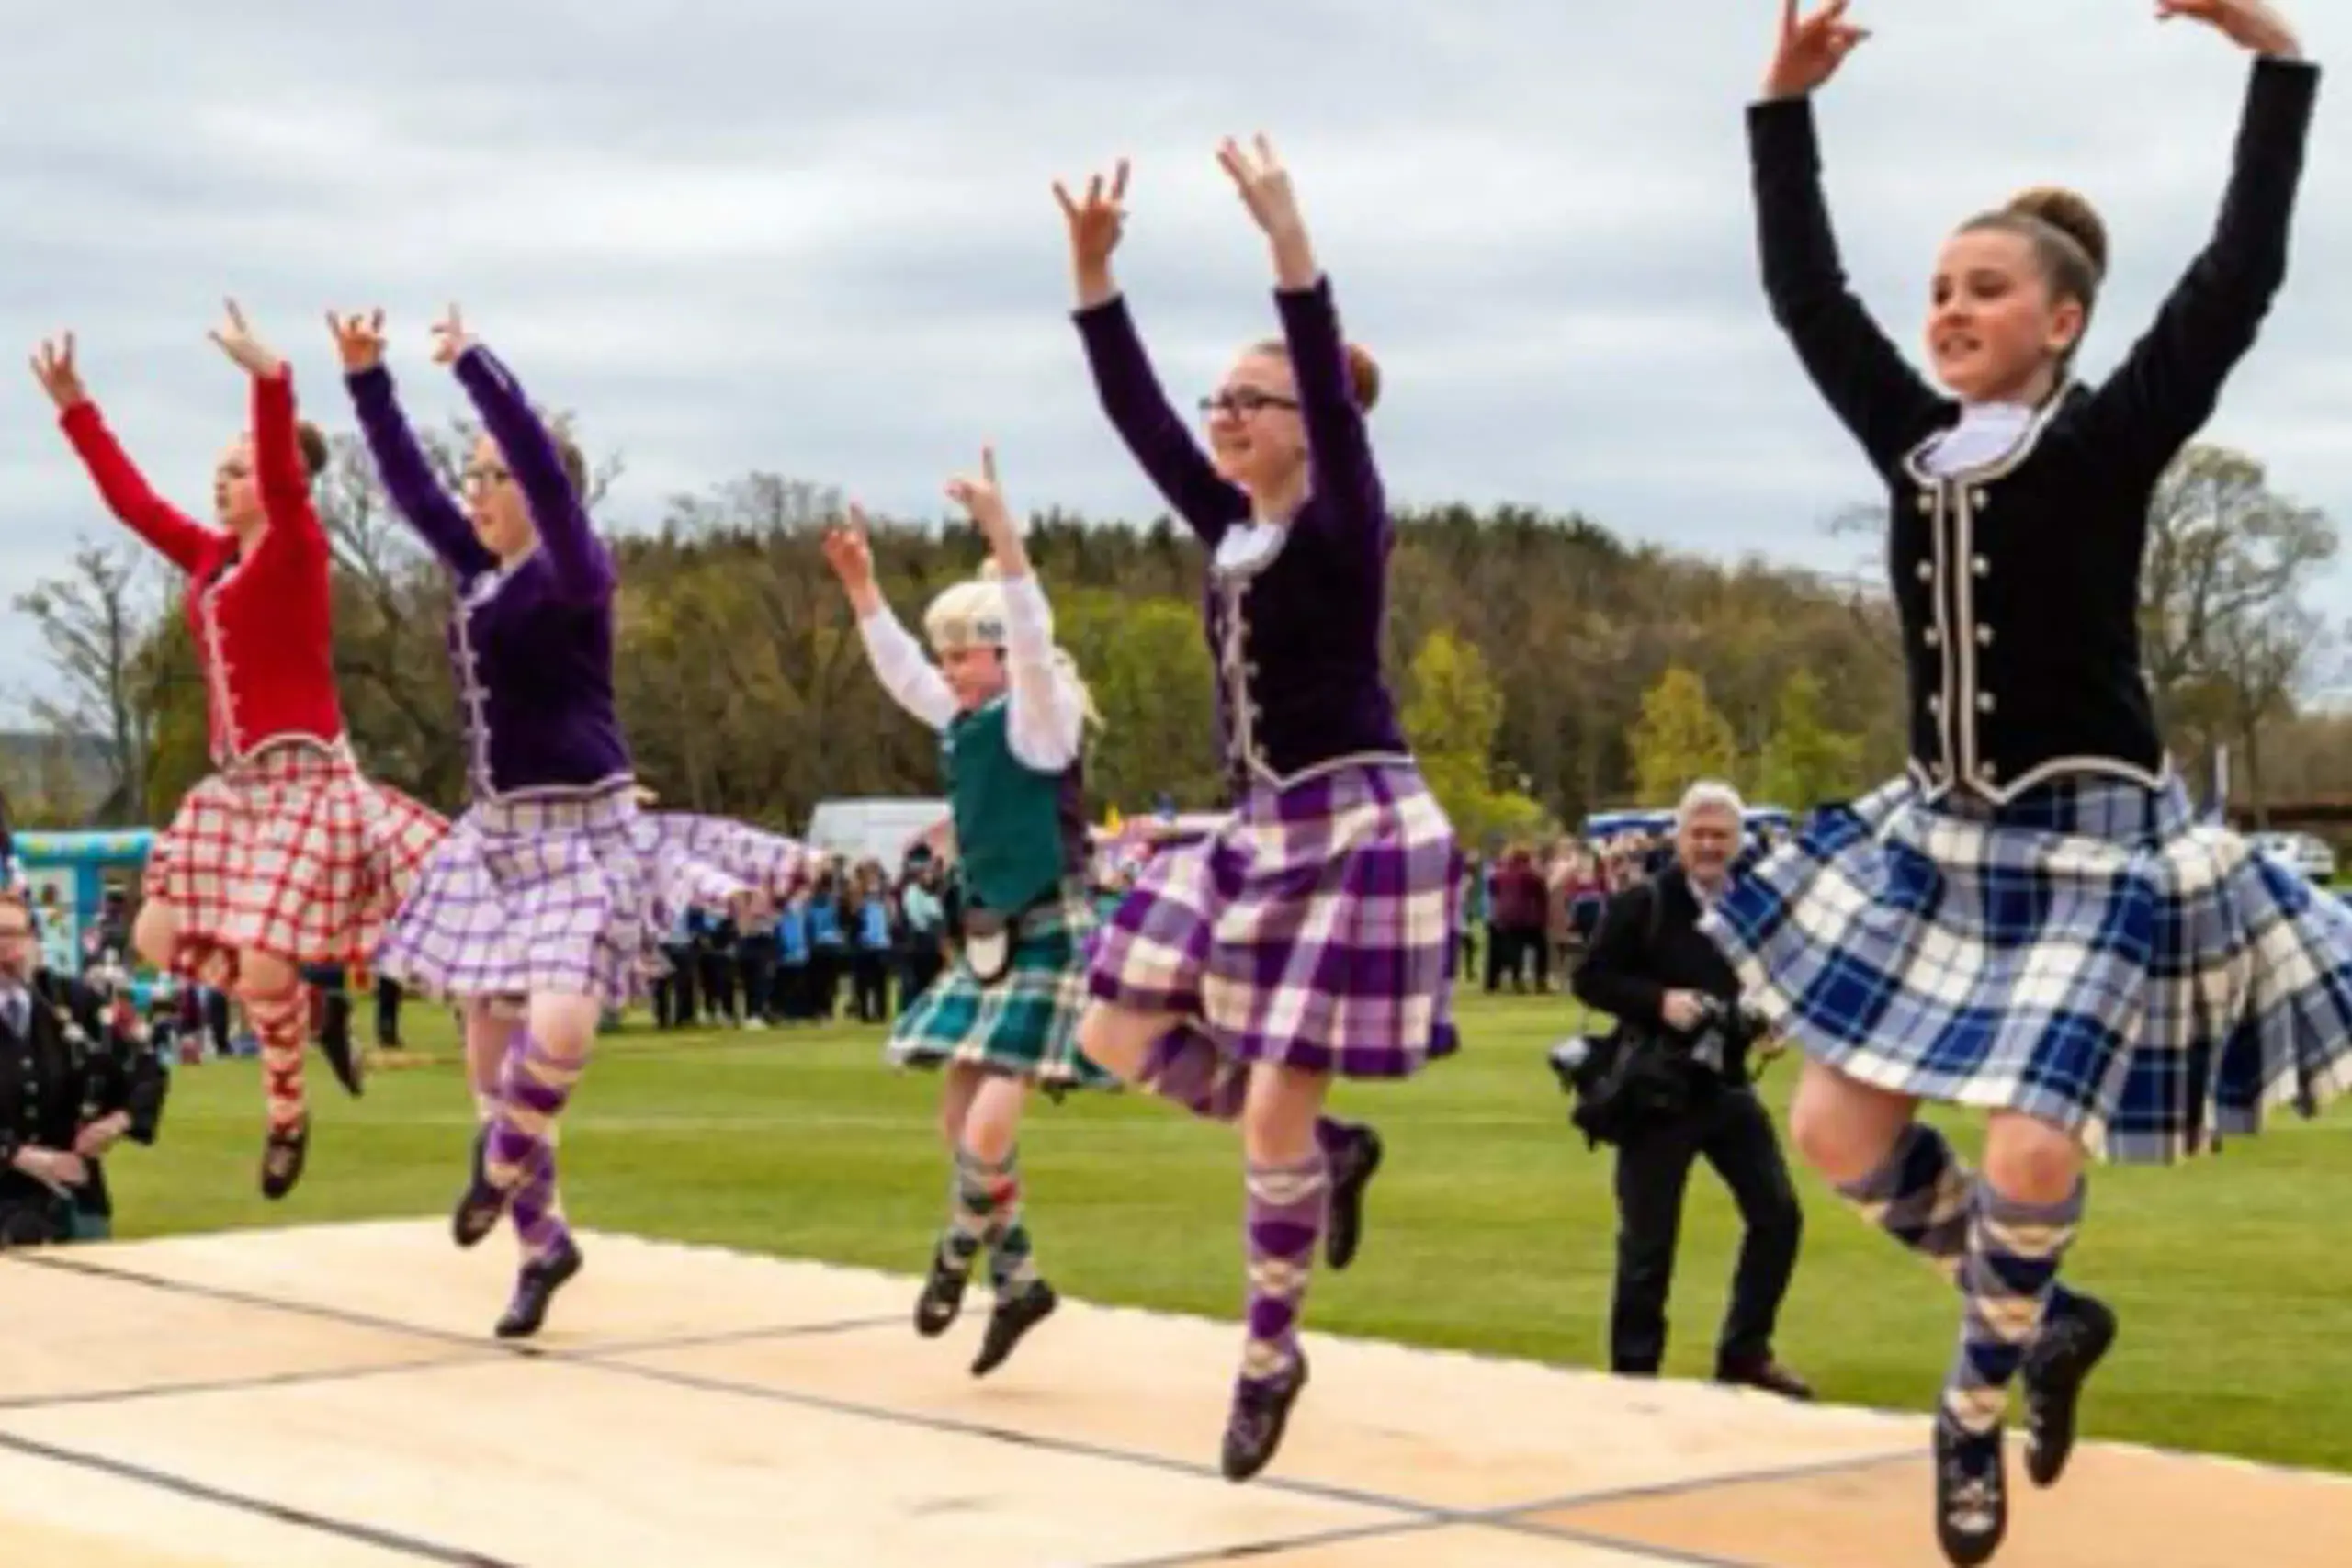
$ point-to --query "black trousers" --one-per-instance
(1730, 1129)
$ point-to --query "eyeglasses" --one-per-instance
(1245, 401)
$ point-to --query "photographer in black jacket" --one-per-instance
(1673, 995)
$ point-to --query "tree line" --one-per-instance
(1545, 666)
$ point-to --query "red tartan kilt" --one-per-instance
(294, 853)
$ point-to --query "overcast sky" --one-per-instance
(820, 240)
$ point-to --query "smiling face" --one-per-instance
(975, 674)
(1997, 331)
(1705, 841)
(495, 504)
(1256, 439)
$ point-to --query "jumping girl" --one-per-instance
(287, 856)
(1312, 935)
(546, 904)
(2031, 921)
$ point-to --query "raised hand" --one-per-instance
(2250, 24)
(983, 499)
(1810, 49)
(54, 368)
(359, 340)
(848, 553)
(449, 339)
(1263, 185)
(238, 341)
(1095, 224)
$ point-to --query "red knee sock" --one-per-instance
(281, 1024)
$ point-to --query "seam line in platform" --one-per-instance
(391, 1540)
(238, 1385)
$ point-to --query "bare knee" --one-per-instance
(1279, 1114)
(563, 1025)
(1844, 1128)
(155, 934)
(993, 1125)
(264, 975)
(1118, 1039)
(956, 1088)
(2031, 1160)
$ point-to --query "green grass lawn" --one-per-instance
(1489, 1228)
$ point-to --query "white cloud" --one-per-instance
(820, 240)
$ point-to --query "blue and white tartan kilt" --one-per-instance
(2088, 955)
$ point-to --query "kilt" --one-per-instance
(1315, 929)
(2089, 955)
(566, 894)
(1027, 1023)
(291, 852)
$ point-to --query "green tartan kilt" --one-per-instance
(1027, 1023)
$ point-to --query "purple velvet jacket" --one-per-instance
(533, 644)
(1295, 637)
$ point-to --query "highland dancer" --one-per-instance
(1011, 714)
(287, 855)
(545, 904)
(2031, 921)
(1313, 935)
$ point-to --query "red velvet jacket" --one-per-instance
(264, 635)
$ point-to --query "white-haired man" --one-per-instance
(1671, 991)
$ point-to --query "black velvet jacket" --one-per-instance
(2017, 581)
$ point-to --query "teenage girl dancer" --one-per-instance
(1011, 715)
(545, 903)
(1312, 935)
(2031, 921)
(287, 856)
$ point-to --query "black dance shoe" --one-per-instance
(1254, 1428)
(283, 1156)
(2074, 1338)
(1351, 1172)
(1014, 1316)
(942, 1298)
(1971, 1495)
(535, 1287)
(334, 1043)
(481, 1205)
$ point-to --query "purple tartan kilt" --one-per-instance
(1314, 930)
(568, 894)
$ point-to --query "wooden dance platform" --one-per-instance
(331, 1396)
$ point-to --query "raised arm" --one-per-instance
(1868, 384)
(2171, 379)
(913, 682)
(1046, 717)
(584, 567)
(278, 470)
(401, 463)
(176, 537)
(1338, 449)
(1125, 382)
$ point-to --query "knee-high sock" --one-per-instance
(1013, 1268)
(2006, 1279)
(537, 1206)
(971, 1206)
(1920, 1195)
(1287, 1206)
(281, 1024)
(1186, 1066)
(532, 1088)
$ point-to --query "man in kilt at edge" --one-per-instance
(1011, 712)
(1312, 935)
(2031, 921)
(287, 856)
(544, 905)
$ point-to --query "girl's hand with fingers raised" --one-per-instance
(238, 341)
(2250, 24)
(449, 339)
(1095, 227)
(847, 551)
(1810, 49)
(359, 341)
(54, 368)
